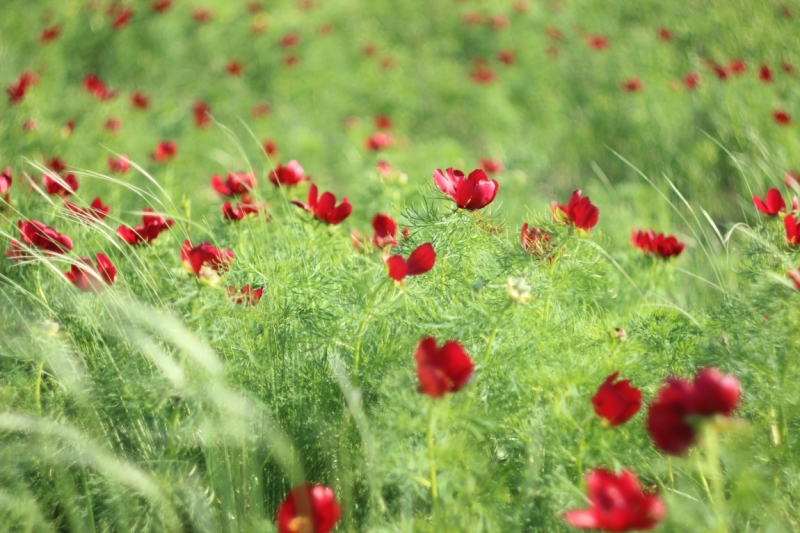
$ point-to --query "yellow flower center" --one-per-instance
(301, 524)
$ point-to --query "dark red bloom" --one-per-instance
(35, 234)
(260, 110)
(30, 124)
(324, 208)
(5, 183)
(774, 203)
(787, 68)
(765, 74)
(50, 34)
(59, 186)
(665, 35)
(491, 166)
(140, 100)
(113, 125)
(96, 211)
(617, 402)
(236, 183)
(204, 260)
(781, 117)
(597, 42)
(270, 147)
(691, 80)
(201, 111)
(289, 39)
(665, 246)
(56, 164)
(618, 503)
(165, 151)
(714, 393)
(631, 85)
(97, 88)
(246, 206)
(378, 141)
(121, 16)
(536, 241)
(234, 68)
(291, 61)
(247, 296)
(385, 229)
(579, 211)
(16, 91)
(507, 57)
(160, 6)
(385, 169)
(472, 192)
(499, 21)
(382, 122)
(309, 509)
(737, 67)
(481, 73)
(68, 128)
(202, 15)
(88, 278)
(120, 164)
(152, 226)
(442, 370)
(794, 275)
(287, 176)
(720, 71)
(792, 230)
(420, 261)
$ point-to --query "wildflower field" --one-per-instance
(312, 266)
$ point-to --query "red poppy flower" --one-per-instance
(5, 183)
(737, 67)
(68, 128)
(382, 122)
(618, 503)
(499, 21)
(120, 164)
(35, 234)
(234, 68)
(631, 85)
(472, 192)
(472, 18)
(491, 166)
(579, 211)
(665, 35)
(324, 208)
(289, 39)
(291, 61)
(88, 278)
(201, 111)
(597, 42)
(787, 68)
(140, 100)
(96, 211)
(236, 183)
(765, 74)
(617, 402)
(536, 241)
(481, 73)
(260, 110)
(691, 80)
(309, 509)
(420, 261)
(59, 186)
(246, 206)
(792, 230)
(385, 169)
(160, 6)
(774, 203)
(665, 246)
(442, 370)
(714, 393)
(378, 141)
(17, 91)
(113, 125)
(50, 34)
(56, 164)
(270, 147)
(287, 176)
(121, 16)
(152, 226)
(30, 124)
(781, 117)
(507, 57)
(205, 261)
(202, 15)
(385, 229)
(165, 151)
(246, 296)
(794, 275)
(97, 88)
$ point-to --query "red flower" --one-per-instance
(291, 61)
(618, 503)
(30, 124)
(309, 509)
(369, 49)
(140, 100)
(597, 42)
(765, 74)
(617, 402)
(794, 275)
(499, 21)
(247, 296)
(236, 183)
(87, 278)
(787, 68)
(536, 241)
(270, 147)
(96, 211)
(160, 6)
(165, 151)
(442, 370)
(56, 185)
(491, 166)
(774, 203)
(791, 179)
(68, 128)
(631, 85)
(95, 86)
(507, 57)
(289, 175)
(50, 34)
(325, 207)
(721, 72)
(691, 80)
(737, 67)
(245, 207)
(665, 246)
(202, 117)
(714, 393)
(419, 262)
(481, 73)
(472, 192)
(385, 229)
(234, 68)
(781, 117)
(205, 261)
(56, 164)
(202, 15)
(665, 35)
(385, 169)
(121, 15)
(382, 122)
(113, 125)
(152, 225)
(378, 141)
(120, 165)
(5, 183)
(260, 110)
(792, 230)
(16, 91)
(34, 233)
(579, 211)
(289, 39)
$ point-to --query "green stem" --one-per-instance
(37, 386)
(711, 444)
(432, 456)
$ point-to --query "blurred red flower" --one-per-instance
(36, 234)
(420, 261)
(536, 241)
(499, 21)
(308, 509)
(481, 73)
(5, 183)
(554, 33)
(631, 85)
(88, 278)
(246, 206)
(507, 57)
(787, 68)
(794, 275)
(773, 205)
(95, 212)
(792, 230)
(765, 74)
(201, 111)
(165, 151)
(378, 141)
(382, 122)
(246, 296)
(324, 208)
(152, 226)
(289, 39)
(140, 100)
(781, 117)
(472, 192)
(617, 401)
(270, 147)
(161, 6)
(235, 183)
(737, 67)
(665, 35)
(691, 80)
(60, 186)
(204, 260)
(579, 211)
(234, 68)
(491, 166)
(120, 164)
(50, 34)
(291, 61)
(120, 15)
(618, 503)
(665, 246)
(597, 42)
(385, 229)
(113, 125)
(97, 88)
(17, 91)
(260, 110)
(202, 15)
(287, 176)
(442, 370)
